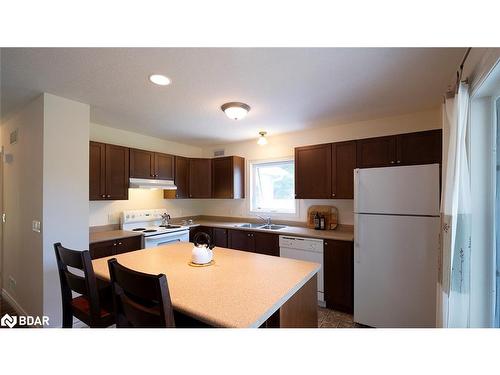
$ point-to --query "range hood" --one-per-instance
(144, 183)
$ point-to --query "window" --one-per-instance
(272, 187)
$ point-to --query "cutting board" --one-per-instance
(331, 214)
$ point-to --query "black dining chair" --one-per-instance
(140, 300)
(93, 306)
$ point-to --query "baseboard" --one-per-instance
(13, 303)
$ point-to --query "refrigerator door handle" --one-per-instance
(357, 255)
(356, 189)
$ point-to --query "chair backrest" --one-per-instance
(141, 300)
(85, 285)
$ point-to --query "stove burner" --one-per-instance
(149, 231)
(170, 226)
(138, 229)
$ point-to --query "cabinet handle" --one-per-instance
(109, 195)
(114, 244)
(399, 161)
(103, 196)
(119, 243)
(392, 161)
(333, 194)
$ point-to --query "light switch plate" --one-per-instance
(36, 226)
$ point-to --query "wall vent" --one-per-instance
(13, 137)
(218, 153)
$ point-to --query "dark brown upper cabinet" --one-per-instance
(343, 165)
(313, 171)
(200, 178)
(228, 177)
(419, 148)
(376, 152)
(147, 164)
(181, 177)
(108, 172)
(403, 149)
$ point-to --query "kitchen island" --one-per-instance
(241, 289)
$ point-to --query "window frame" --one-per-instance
(267, 213)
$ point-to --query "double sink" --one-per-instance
(260, 226)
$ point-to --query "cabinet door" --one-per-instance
(97, 171)
(142, 164)
(343, 165)
(219, 237)
(339, 275)
(419, 148)
(181, 177)
(241, 240)
(125, 245)
(222, 170)
(266, 243)
(195, 230)
(200, 178)
(376, 152)
(102, 249)
(164, 166)
(313, 171)
(117, 172)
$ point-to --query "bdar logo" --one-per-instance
(8, 321)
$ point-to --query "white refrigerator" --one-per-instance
(396, 245)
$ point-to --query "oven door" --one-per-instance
(166, 238)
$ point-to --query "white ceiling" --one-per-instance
(288, 89)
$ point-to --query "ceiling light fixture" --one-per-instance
(160, 79)
(262, 139)
(235, 110)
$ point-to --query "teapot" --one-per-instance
(202, 250)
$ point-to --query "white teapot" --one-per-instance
(202, 250)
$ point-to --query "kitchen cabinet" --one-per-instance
(376, 152)
(115, 247)
(108, 172)
(338, 259)
(197, 229)
(343, 165)
(181, 177)
(228, 176)
(255, 242)
(219, 237)
(313, 172)
(403, 149)
(200, 178)
(419, 148)
(148, 164)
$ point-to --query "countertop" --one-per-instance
(109, 235)
(241, 289)
(340, 234)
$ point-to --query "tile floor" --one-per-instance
(335, 319)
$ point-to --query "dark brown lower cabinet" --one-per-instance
(339, 275)
(219, 237)
(115, 247)
(255, 242)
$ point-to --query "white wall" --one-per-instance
(22, 250)
(283, 146)
(107, 212)
(65, 190)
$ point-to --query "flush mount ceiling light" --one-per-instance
(262, 139)
(159, 79)
(235, 110)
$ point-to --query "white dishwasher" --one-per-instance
(308, 249)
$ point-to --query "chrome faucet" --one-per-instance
(266, 219)
(165, 219)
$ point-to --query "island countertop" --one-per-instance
(241, 289)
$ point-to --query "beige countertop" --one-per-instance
(340, 234)
(109, 235)
(241, 289)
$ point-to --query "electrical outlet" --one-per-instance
(12, 284)
(36, 226)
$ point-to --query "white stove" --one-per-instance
(155, 230)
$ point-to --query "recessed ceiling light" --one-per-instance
(235, 110)
(160, 79)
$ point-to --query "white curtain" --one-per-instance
(454, 272)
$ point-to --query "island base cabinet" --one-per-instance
(339, 275)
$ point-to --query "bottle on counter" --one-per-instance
(317, 223)
(322, 224)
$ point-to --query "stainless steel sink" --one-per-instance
(250, 225)
(273, 227)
